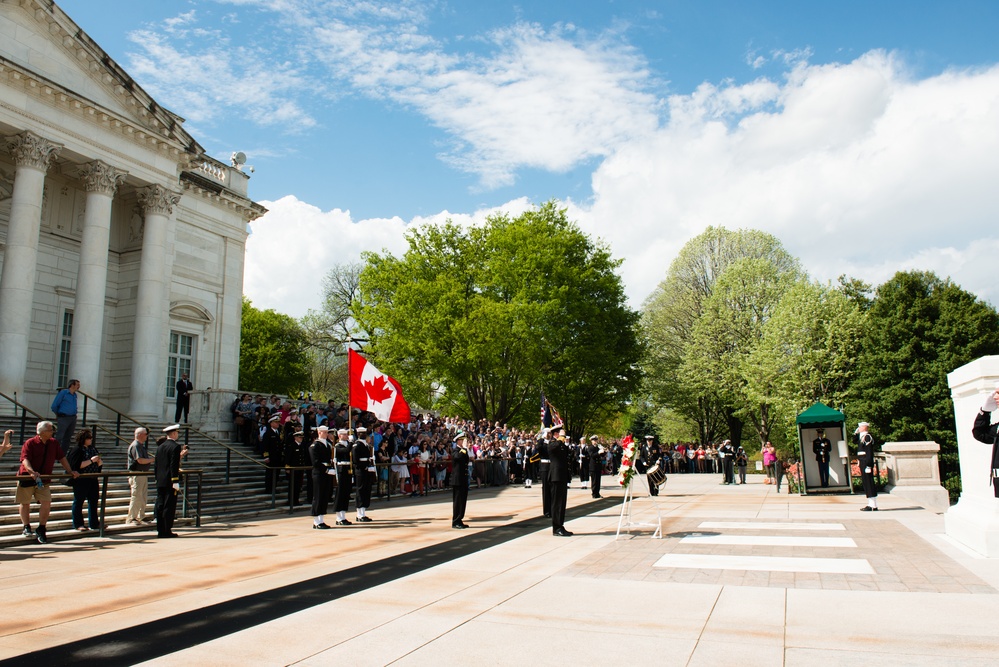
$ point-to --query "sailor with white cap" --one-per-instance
(167, 466)
(363, 461)
(321, 456)
(459, 480)
(865, 458)
(344, 481)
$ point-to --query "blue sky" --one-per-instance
(862, 134)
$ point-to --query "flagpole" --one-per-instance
(349, 412)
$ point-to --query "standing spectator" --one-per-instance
(184, 387)
(167, 462)
(244, 419)
(382, 461)
(38, 457)
(84, 458)
(138, 461)
(400, 470)
(741, 461)
(769, 460)
(64, 407)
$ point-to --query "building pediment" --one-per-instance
(42, 49)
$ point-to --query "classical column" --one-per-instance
(32, 156)
(148, 348)
(101, 181)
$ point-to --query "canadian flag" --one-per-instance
(372, 390)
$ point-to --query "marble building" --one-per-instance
(121, 242)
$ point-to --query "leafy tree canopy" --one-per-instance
(479, 320)
(272, 352)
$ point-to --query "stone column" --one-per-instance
(974, 520)
(32, 156)
(148, 353)
(101, 182)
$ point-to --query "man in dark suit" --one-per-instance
(558, 479)
(459, 480)
(167, 466)
(184, 387)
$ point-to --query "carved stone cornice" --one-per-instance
(100, 177)
(31, 150)
(157, 199)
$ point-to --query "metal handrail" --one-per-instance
(25, 410)
(120, 415)
(104, 476)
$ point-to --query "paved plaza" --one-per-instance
(741, 576)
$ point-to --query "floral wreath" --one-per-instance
(627, 470)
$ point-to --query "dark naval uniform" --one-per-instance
(167, 465)
(823, 452)
(321, 455)
(595, 459)
(558, 477)
(272, 450)
(865, 457)
(985, 431)
(364, 466)
(650, 454)
(727, 454)
(296, 454)
(341, 458)
(459, 486)
(544, 463)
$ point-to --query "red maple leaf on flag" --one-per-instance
(377, 390)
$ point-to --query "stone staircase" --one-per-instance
(242, 496)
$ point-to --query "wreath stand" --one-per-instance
(626, 521)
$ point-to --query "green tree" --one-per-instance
(272, 352)
(728, 333)
(919, 329)
(675, 307)
(478, 321)
(807, 353)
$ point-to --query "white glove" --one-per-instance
(867, 470)
(176, 486)
(990, 402)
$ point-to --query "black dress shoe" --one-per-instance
(597, 497)
(562, 533)
(548, 516)
(165, 535)
(343, 523)
(459, 526)
(364, 519)
(320, 526)
(463, 524)
(867, 509)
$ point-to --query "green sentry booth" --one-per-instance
(833, 422)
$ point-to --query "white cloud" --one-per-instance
(858, 168)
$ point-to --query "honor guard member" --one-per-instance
(459, 480)
(544, 463)
(985, 431)
(167, 466)
(321, 456)
(595, 457)
(364, 467)
(823, 453)
(650, 454)
(558, 478)
(584, 464)
(296, 455)
(270, 445)
(341, 459)
(865, 457)
(727, 455)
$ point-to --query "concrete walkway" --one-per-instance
(742, 575)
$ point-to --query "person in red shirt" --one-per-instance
(38, 457)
